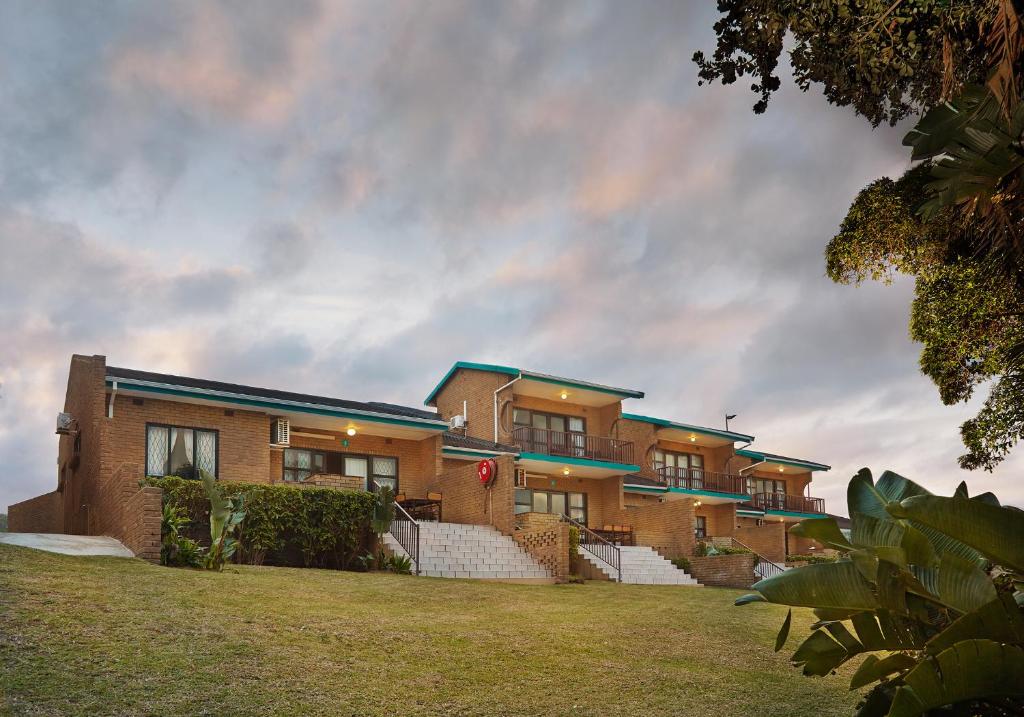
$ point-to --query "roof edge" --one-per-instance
(771, 458)
(665, 423)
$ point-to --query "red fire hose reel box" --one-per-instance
(487, 471)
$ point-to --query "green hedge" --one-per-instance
(811, 558)
(284, 525)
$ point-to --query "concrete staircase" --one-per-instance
(454, 550)
(641, 566)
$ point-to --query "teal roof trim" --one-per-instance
(791, 514)
(471, 453)
(492, 368)
(783, 460)
(747, 512)
(532, 375)
(710, 493)
(634, 488)
(427, 425)
(663, 423)
(573, 461)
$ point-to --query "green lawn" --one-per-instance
(90, 636)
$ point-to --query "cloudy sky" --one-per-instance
(345, 199)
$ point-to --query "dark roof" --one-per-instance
(456, 440)
(842, 521)
(637, 479)
(273, 394)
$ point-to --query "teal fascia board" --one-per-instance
(663, 423)
(710, 494)
(439, 426)
(795, 462)
(492, 368)
(789, 514)
(622, 392)
(632, 488)
(754, 513)
(477, 454)
(573, 461)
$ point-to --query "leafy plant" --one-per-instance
(574, 541)
(380, 521)
(226, 514)
(928, 590)
(401, 564)
(811, 558)
(284, 524)
(682, 563)
(175, 548)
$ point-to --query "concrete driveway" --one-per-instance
(68, 544)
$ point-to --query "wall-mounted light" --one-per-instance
(697, 504)
(693, 438)
(564, 394)
(351, 430)
(565, 471)
(780, 469)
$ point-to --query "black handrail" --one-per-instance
(599, 547)
(572, 444)
(701, 479)
(406, 531)
(785, 502)
(772, 568)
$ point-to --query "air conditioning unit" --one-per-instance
(458, 421)
(65, 424)
(280, 433)
(520, 480)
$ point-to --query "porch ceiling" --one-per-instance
(577, 467)
(705, 497)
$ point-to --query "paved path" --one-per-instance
(68, 544)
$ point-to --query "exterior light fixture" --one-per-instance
(351, 430)
(565, 471)
(564, 394)
(697, 504)
(780, 469)
(693, 438)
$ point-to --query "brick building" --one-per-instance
(560, 446)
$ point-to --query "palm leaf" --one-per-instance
(836, 585)
(1002, 620)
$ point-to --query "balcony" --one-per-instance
(572, 445)
(702, 480)
(788, 503)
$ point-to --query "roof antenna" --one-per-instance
(729, 417)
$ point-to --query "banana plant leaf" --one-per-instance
(874, 668)
(824, 530)
(836, 585)
(972, 669)
(1001, 620)
(819, 654)
(867, 497)
(939, 125)
(220, 507)
(783, 635)
(962, 585)
(992, 531)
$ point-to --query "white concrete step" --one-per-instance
(453, 550)
(641, 565)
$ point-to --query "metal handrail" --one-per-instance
(406, 530)
(600, 548)
(772, 571)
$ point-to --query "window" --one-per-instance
(180, 451)
(542, 501)
(376, 471)
(700, 527)
(687, 466)
(567, 437)
(301, 464)
(765, 485)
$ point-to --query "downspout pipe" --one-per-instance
(502, 388)
(113, 395)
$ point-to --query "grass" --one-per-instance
(91, 636)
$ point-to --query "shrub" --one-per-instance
(175, 548)
(928, 590)
(682, 563)
(283, 524)
(401, 564)
(574, 541)
(811, 558)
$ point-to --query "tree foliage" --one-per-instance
(955, 221)
(927, 591)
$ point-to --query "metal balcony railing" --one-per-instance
(572, 445)
(703, 480)
(789, 503)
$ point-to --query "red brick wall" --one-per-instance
(667, 527)
(79, 470)
(720, 519)
(768, 540)
(140, 523)
(465, 500)
(729, 571)
(546, 538)
(477, 389)
(42, 514)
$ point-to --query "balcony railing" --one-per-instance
(700, 479)
(572, 445)
(789, 503)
